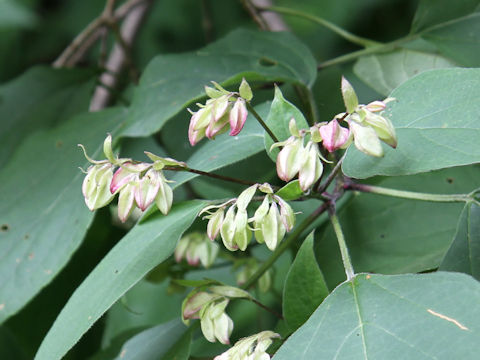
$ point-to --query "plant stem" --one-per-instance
(368, 51)
(212, 175)
(409, 194)
(331, 176)
(325, 23)
(285, 244)
(256, 302)
(259, 119)
(347, 263)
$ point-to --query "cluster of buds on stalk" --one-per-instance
(208, 304)
(298, 158)
(138, 184)
(273, 218)
(196, 248)
(368, 127)
(224, 107)
(248, 267)
(250, 348)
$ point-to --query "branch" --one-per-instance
(119, 56)
(211, 175)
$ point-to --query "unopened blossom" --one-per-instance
(247, 269)
(222, 109)
(209, 305)
(250, 348)
(96, 185)
(333, 135)
(367, 126)
(196, 248)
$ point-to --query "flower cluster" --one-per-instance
(271, 220)
(196, 248)
(250, 348)
(223, 107)
(208, 304)
(137, 183)
(367, 126)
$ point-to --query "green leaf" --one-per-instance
(171, 82)
(54, 95)
(464, 252)
(13, 14)
(436, 12)
(163, 342)
(305, 287)
(436, 118)
(379, 317)
(291, 191)
(390, 235)
(42, 207)
(281, 111)
(385, 72)
(144, 247)
(225, 149)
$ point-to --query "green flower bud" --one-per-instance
(366, 139)
(245, 197)
(349, 96)
(245, 90)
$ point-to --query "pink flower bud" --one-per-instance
(216, 127)
(238, 116)
(289, 158)
(333, 135)
(147, 188)
(126, 202)
(121, 178)
(194, 136)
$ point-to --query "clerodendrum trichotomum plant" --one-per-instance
(246, 200)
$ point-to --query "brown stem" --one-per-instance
(331, 176)
(256, 302)
(211, 175)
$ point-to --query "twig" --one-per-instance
(119, 57)
(74, 52)
(211, 175)
(331, 176)
(256, 302)
(261, 122)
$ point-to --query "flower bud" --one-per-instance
(366, 139)
(250, 348)
(123, 176)
(107, 149)
(292, 127)
(216, 127)
(227, 232)
(213, 93)
(215, 323)
(383, 127)
(192, 305)
(289, 158)
(96, 185)
(126, 202)
(270, 227)
(242, 234)
(245, 197)
(219, 107)
(164, 197)
(349, 96)
(238, 116)
(196, 248)
(287, 215)
(333, 135)
(194, 136)
(215, 223)
(315, 133)
(265, 188)
(146, 189)
(245, 90)
(311, 169)
(230, 291)
(376, 106)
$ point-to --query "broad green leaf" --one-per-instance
(436, 12)
(10, 347)
(163, 342)
(305, 287)
(385, 72)
(378, 317)
(40, 98)
(281, 111)
(42, 207)
(171, 82)
(436, 118)
(13, 14)
(225, 149)
(291, 191)
(390, 235)
(144, 247)
(464, 252)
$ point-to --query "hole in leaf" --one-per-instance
(450, 180)
(263, 61)
(4, 227)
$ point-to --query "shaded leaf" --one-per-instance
(392, 317)
(42, 207)
(464, 252)
(436, 118)
(305, 287)
(145, 246)
(384, 72)
(166, 87)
